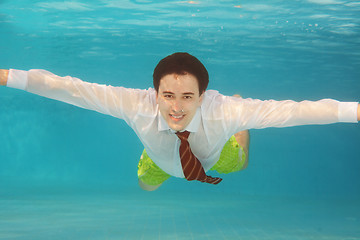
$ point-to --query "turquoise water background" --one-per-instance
(260, 49)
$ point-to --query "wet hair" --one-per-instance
(181, 63)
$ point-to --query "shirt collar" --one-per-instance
(192, 127)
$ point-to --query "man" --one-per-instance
(185, 129)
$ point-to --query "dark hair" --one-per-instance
(181, 63)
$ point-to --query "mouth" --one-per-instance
(177, 117)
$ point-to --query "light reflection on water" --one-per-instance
(169, 215)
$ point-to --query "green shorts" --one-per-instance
(229, 161)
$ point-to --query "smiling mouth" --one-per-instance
(177, 117)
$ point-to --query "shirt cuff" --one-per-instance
(348, 112)
(17, 79)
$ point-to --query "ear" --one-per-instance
(157, 97)
(201, 97)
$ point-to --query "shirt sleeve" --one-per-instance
(120, 102)
(242, 114)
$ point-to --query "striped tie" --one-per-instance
(192, 167)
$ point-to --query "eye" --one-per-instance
(187, 97)
(168, 96)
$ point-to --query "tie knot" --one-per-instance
(183, 135)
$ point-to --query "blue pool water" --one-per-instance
(69, 173)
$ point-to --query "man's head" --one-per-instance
(180, 81)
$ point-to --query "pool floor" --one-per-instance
(52, 213)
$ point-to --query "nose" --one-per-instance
(177, 107)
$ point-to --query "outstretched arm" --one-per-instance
(254, 113)
(3, 76)
(120, 102)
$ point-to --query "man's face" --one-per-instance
(178, 99)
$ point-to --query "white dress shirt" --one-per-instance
(218, 118)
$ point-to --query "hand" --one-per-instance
(3, 76)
